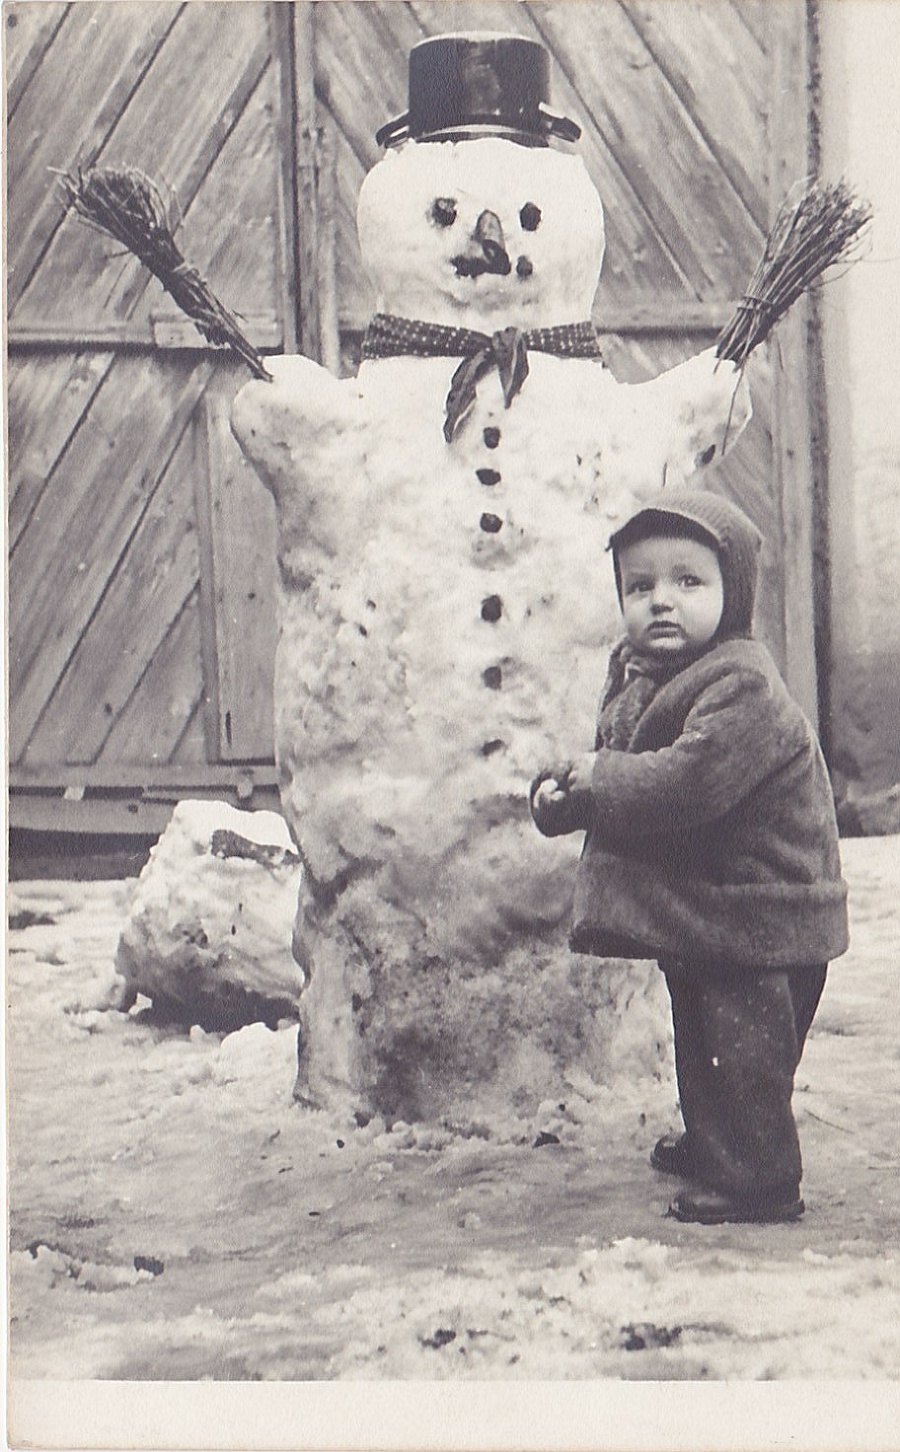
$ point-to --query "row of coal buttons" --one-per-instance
(492, 606)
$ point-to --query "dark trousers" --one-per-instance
(738, 1041)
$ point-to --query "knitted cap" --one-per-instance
(716, 522)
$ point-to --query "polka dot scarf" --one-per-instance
(507, 350)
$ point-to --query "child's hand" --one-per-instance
(547, 792)
(580, 774)
(559, 800)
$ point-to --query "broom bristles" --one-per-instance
(128, 206)
(822, 227)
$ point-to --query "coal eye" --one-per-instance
(530, 217)
(444, 211)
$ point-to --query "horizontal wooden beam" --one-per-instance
(128, 776)
(124, 801)
(649, 317)
(173, 332)
(166, 332)
(109, 816)
(120, 818)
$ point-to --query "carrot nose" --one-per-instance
(489, 235)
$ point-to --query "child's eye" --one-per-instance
(638, 587)
(690, 582)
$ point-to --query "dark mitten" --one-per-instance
(563, 811)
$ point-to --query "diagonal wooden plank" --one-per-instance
(641, 123)
(156, 572)
(400, 29)
(81, 277)
(720, 77)
(241, 262)
(47, 397)
(84, 83)
(68, 552)
(29, 31)
(349, 64)
(221, 58)
(157, 723)
(359, 78)
(459, 15)
(756, 18)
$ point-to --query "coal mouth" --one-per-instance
(495, 263)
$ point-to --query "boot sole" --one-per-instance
(736, 1214)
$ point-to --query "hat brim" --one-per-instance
(547, 123)
(647, 522)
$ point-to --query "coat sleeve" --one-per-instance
(735, 735)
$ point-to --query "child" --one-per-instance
(711, 846)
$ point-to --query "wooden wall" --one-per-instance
(141, 548)
(140, 657)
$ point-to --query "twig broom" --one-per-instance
(128, 206)
(812, 233)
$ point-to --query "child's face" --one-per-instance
(672, 594)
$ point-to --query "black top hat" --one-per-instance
(478, 84)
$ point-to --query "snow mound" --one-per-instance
(208, 937)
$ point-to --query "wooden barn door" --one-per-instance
(142, 557)
(141, 547)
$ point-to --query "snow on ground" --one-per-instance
(174, 1216)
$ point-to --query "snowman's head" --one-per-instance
(482, 233)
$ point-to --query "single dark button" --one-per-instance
(487, 477)
(492, 678)
(490, 747)
(491, 608)
(491, 523)
(491, 438)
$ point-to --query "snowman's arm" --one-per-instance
(303, 435)
(663, 431)
(288, 426)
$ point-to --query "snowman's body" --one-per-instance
(447, 609)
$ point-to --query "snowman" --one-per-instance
(446, 604)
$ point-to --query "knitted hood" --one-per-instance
(716, 522)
